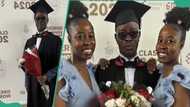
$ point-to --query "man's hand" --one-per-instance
(151, 65)
(42, 79)
(21, 62)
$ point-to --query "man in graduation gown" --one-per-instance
(127, 67)
(49, 52)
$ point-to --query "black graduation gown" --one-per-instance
(115, 72)
(49, 53)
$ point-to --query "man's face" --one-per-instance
(41, 20)
(127, 37)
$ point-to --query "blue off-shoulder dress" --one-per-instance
(76, 93)
(164, 91)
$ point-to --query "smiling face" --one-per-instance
(169, 45)
(127, 37)
(82, 39)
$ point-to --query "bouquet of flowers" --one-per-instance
(123, 95)
(32, 65)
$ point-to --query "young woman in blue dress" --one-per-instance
(78, 85)
(173, 88)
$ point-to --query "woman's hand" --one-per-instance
(103, 64)
(151, 65)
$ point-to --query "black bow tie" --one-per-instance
(37, 35)
(130, 64)
(40, 34)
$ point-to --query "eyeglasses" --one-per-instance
(132, 35)
(40, 18)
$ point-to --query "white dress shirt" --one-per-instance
(38, 41)
(129, 72)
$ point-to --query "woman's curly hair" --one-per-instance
(179, 18)
(76, 11)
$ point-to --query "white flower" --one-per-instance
(142, 101)
(149, 89)
(135, 99)
(179, 22)
(108, 83)
(120, 102)
(111, 103)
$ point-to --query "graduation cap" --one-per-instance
(126, 11)
(41, 6)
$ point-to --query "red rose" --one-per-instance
(145, 94)
(106, 96)
(110, 94)
(32, 64)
